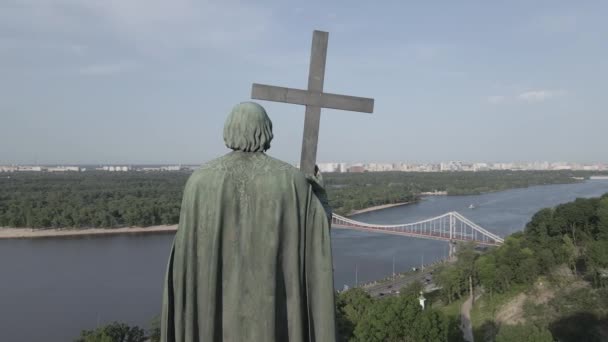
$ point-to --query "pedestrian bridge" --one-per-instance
(452, 227)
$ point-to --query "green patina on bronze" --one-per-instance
(248, 128)
(251, 260)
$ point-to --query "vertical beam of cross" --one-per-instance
(312, 118)
(314, 99)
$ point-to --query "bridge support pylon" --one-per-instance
(452, 250)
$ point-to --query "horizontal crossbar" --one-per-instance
(309, 98)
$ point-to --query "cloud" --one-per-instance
(159, 24)
(139, 30)
(536, 95)
(531, 96)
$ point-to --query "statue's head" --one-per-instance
(248, 128)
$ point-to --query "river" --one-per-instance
(52, 288)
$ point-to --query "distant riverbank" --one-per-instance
(378, 207)
(28, 233)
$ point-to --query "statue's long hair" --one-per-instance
(248, 128)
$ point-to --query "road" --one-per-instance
(392, 286)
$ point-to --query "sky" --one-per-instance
(150, 81)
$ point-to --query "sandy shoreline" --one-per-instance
(377, 207)
(29, 233)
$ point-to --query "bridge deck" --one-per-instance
(451, 226)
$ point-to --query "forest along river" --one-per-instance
(52, 288)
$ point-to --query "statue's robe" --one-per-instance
(251, 260)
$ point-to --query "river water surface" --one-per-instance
(52, 288)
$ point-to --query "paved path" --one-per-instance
(465, 319)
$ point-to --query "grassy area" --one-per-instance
(576, 312)
(453, 309)
(433, 299)
(485, 308)
(572, 311)
(483, 311)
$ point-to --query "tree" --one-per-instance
(383, 321)
(546, 260)
(413, 289)
(431, 326)
(597, 260)
(569, 250)
(486, 273)
(537, 230)
(154, 331)
(399, 319)
(351, 307)
(602, 215)
(137, 198)
(527, 269)
(450, 279)
(575, 217)
(465, 259)
(504, 276)
(113, 332)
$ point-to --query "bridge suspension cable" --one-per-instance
(451, 226)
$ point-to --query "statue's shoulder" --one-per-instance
(280, 165)
(241, 168)
(210, 167)
(246, 163)
(217, 164)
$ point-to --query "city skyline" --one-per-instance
(330, 166)
(151, 82)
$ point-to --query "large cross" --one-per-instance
(314, 99)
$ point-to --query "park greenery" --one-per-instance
(113, 332)
(558, 264)
(91, 199)
(361, 318)
(557, 267)
(108, 200)
(121, 332)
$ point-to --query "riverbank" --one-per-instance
(28, 233)
(378, 207)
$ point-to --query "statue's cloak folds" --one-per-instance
(251, 260)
